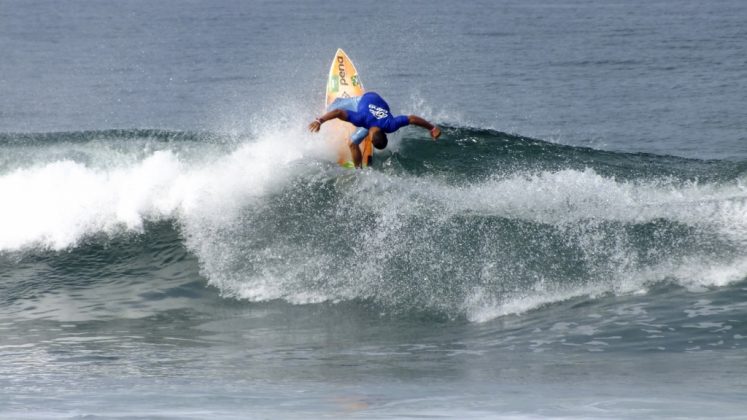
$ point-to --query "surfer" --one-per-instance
(371, 114)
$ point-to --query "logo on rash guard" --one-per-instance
(341, 70)
(378, 112)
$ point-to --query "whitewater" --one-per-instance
(269, 217)
(528, 248)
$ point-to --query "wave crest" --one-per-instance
(479, 224)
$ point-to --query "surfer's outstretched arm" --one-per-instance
(331, 115)
(420, 122)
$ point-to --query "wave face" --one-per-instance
(478, 225)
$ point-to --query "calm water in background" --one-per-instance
(655, 76)
(173, 244)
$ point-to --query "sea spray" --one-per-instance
(518, 223)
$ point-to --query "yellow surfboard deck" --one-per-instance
(344, 82)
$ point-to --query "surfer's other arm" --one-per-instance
(331, 115)
(420, 122)
(355, 151)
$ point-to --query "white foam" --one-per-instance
(580, 203)
(482, 307)
(694, 274)
(570, 196)
(56, 204)
(577, 202)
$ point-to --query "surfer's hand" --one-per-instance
(435, 132)
(315, 125)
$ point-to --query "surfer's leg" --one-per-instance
(358, 135)
(348, 104)
(355, 153)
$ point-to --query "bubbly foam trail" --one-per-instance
(694, 273)
(572, 196)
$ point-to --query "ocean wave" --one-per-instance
(479, 224)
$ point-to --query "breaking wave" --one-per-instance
(479, 224)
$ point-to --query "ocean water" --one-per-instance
(174, 243)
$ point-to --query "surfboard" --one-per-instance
(344, 82)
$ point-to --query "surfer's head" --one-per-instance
(378, 138)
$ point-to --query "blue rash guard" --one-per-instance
(369, 110)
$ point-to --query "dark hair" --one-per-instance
(379, 139)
